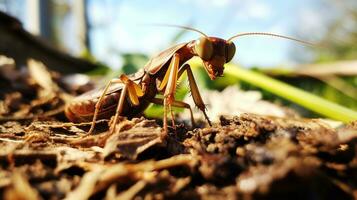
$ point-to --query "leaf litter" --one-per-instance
(250, 156)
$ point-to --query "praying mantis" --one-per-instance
(130, 95)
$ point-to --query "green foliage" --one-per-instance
(308, 100)
(311, 85)
(132, 62)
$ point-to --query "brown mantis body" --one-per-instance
(131, 95)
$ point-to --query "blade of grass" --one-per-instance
(296, 95)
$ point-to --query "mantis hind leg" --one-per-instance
(130, 89)
(98, 104)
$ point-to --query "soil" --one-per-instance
(43, 156)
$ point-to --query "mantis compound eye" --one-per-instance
(230, 51)
(204, 48)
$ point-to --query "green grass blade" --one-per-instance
(296, 95)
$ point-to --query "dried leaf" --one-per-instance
(42, 77)
(134, 141)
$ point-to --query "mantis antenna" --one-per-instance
(272, 35)
(183, 27)
(240, 34)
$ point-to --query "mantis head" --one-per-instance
(215, 52)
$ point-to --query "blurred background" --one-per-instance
(120, 35)
(108, 28)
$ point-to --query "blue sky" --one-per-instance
(121, 26)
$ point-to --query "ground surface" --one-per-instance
(43, 156)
